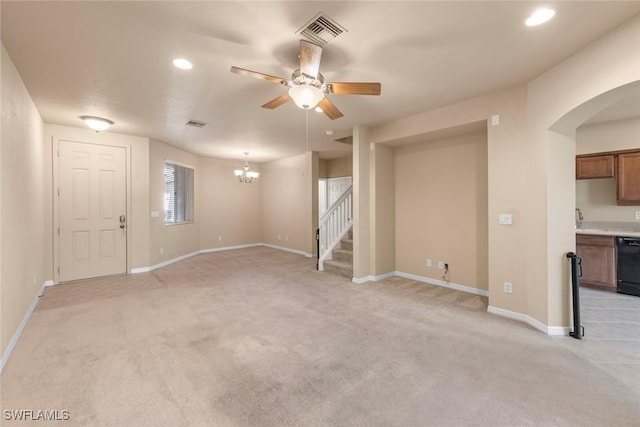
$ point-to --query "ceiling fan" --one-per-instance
(307, 87)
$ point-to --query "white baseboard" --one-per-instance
(450, 285)
(23, 324)
(282, 248)
(167, 262)
(365, 279)
(548, 330)
(230, 248)
(225, 248)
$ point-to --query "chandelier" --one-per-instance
(244, 174)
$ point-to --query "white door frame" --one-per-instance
(55, 147)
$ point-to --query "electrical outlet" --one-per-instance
(279, 237)
(219, 238)
(161, 251)
(638, 215)
(441, 265)
(286, 238)
(508, 287)
(428, 263)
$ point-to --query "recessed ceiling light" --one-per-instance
(97, 123)
(540, 16)
(182, 64)
(318, 110)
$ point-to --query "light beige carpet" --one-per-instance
(256, 337)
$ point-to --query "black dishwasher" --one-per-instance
(628, 265)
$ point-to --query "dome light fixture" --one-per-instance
(182, 63)
(97, 123)
(306, 96)
(540, 16)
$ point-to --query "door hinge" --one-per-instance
(58, 153)
(58, 269)
(58, 192)
(58, 231)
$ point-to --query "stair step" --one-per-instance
(340, 268)
(343, 255)
(346, 244)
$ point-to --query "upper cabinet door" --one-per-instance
(629, 178)
(588, 167)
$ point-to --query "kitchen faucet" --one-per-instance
(579, 218)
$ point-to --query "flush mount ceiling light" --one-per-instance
(182, 63)
(244, 174)
(306, 96)
(540, 16)
(97, 123)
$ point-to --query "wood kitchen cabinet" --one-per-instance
(628, 178)
(598, 254)
(588, 167)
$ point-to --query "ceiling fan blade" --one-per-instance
(275, 103)
(329, 109)
(310, 55)
(354, 88)
(258, 75)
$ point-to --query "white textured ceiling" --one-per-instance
(113, 59)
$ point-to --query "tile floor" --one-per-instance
(611, 338)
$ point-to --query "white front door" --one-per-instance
(92, 210)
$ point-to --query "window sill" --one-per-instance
(171, 224)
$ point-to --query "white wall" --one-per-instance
(441, 209)
(22, 196)
(231, 211)
(507, 160)
(284, 203)
(608, 136)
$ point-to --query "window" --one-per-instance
(178, 194)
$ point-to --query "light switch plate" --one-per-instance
(155, 214)
(505, 219)
(638, 215)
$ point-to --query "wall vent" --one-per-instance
(321, 29)
(196, 124)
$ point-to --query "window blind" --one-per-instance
(178, 193)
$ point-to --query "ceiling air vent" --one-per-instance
(321, 29)
(196, 124)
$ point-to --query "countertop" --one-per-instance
(601, 232)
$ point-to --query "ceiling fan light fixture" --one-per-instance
(306, 96)
(97, 123)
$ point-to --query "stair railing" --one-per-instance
(334, 224)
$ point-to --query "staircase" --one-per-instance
(342, 257)
(335, 238)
